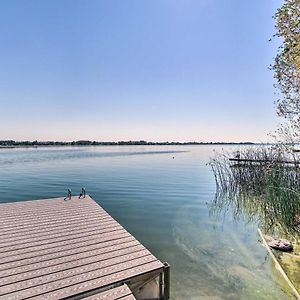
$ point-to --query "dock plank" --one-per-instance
(46, 210)
(52, 218)
(82, 269)
(33, 227)
(20, 255)
(94, 283)
(72, 236)
(66, 262)
(48, 236)
(85, 275)
(46, 230)
(119, 293)
(53, 249)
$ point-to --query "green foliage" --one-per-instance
(287, 63)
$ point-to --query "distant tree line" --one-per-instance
(12, 143)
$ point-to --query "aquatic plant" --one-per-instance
(261, 183)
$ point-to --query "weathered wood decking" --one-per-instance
(56, 249)
(119, 293)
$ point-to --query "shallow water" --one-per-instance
(162, 195)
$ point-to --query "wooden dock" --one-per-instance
(72, 249)
(264, 161)
(119, 293)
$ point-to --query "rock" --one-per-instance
(297, 223)
(279, 244)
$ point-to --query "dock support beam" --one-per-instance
(161, 284)
(166, 281)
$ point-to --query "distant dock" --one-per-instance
(263, 161)
(73, 249)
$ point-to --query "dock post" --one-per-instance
(166, 281)
(160, 285)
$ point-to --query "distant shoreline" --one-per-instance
(7, 144)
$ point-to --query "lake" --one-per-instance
(162, 195)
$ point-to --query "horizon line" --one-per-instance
(11, 142)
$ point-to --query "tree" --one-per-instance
(287, 64)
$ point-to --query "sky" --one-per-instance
(155, 70)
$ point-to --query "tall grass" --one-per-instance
(265, 188)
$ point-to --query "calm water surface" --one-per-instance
(165, 202)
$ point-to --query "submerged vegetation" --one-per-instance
(262, 184)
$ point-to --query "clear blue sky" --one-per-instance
(181, 70)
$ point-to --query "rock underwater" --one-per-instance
(279, 244)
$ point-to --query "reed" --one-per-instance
(265, 188)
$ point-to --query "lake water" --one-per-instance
(162, 195)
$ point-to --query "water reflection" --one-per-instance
(162, 201)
